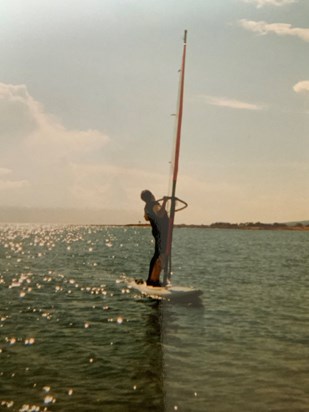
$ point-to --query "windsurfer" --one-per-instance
(156, 214)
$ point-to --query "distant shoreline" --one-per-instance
(238, 226)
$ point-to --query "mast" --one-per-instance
(168, 263)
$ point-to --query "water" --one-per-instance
(74, 338)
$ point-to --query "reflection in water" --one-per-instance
(153, 369)
(166, 344)
(182, 339)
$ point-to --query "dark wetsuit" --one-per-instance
(159, 226)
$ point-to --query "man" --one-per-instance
(158, 218)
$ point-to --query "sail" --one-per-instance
(175, 163)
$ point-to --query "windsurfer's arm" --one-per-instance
(160, 209)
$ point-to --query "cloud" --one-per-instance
(18, 114)
(11, 184)
(4, 171)
(36, 150)
(7, 184)
(231, 103)
(25, 118)
(262, 3)
(281, 29)
(45, 164)
(301, 87)
(111, 186)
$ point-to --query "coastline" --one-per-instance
(237, 226)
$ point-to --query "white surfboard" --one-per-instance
(164, 292)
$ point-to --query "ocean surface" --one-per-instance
(74, 338)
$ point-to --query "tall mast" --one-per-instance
(168, 263)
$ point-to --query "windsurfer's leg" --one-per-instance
(153, 261)
(156, 271)
(151, 266)
(154, 277)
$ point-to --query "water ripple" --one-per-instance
(73, 337)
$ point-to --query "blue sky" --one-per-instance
(87, 90)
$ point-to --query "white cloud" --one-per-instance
(18, 114)
(109, 186)
(26, 118)
(46, 164)
(6, 184)
(13, 184)
(4, 171)
(281, 29)
(262, 3)
(37, 150)
(231, 103)
(301, 87)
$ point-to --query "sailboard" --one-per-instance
(168, 291)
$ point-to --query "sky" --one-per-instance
(88, 90)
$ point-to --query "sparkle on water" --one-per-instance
(74, 337)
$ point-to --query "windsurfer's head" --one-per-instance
(147, 196)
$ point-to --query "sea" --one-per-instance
(74, 337)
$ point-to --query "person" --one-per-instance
(159, 220)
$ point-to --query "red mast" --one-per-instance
(168, 265)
